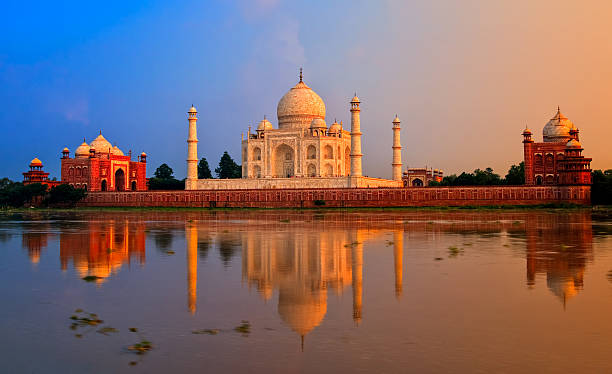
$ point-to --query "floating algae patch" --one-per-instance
(454, 251)
(91, 278)
(206, 332)
(244, 328)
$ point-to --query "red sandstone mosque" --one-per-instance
(99, 166)
(558, 159)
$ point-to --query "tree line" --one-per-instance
(16, 194)
(164, 175)
(486, 177)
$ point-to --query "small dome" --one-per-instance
(557, 129)
(396, 120)
(335, 127)
(143, 154)
(355, 99)
(116, 151)
(526, 131)
(265, 125)
(82, 150)
(318, 123)
(573, 144)
(36, 162)
(192, 110)
(65, 150)
(101, 144)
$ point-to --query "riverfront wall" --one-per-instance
(345, 197)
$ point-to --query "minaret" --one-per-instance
(355, 138)
(192, 146)
(191, 233)
(397, 151)
(528, 156)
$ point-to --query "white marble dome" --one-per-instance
(557, 129)
(101, 145)
(318, 123)
(117, 152)
(335, 127)
(82, 150)
(299, 107)
(265, 125)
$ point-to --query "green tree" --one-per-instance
(601, 190)
(164, 172)
(516, 174)
(204, 169)
(228, 168)
(17, 195)
(64, 195)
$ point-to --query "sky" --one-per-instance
(465, 77)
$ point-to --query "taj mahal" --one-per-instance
(302, 152)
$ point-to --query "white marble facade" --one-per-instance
(302, 152)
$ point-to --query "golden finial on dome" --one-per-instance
(300, 75)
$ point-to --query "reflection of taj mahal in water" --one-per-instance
(307, 262)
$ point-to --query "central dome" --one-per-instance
(299, 107)
(101, 145)
(557, 130)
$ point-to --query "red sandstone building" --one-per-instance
(558, 159)
(420, 177)
(99, 166)
(37, 175)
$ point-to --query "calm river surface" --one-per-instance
(306, 291)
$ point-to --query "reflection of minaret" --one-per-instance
(398, 254)
(357, 256)
(191, 234)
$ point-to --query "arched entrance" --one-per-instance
(417, 182)
(538, 180)
(284, 161)
(119, 180)
(312, 170)
(133, 185)
(103, 185)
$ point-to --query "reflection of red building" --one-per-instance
(558, 159)
(99, 166)
(101, 248)
(37, 175)
(559, 246)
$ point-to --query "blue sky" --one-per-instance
(463, 78)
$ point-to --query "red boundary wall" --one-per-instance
(345, 197)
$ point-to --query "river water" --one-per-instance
(306, 291)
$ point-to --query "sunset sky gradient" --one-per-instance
(464, 76)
